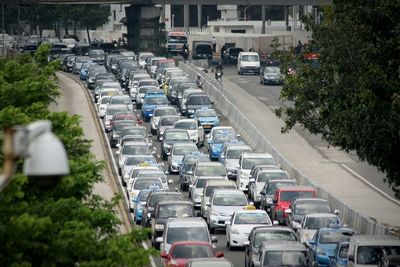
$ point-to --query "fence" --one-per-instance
(226, 104)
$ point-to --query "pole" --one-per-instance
(263, 19)
(18, 18)
(3, 28)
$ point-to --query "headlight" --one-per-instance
(190, 111)
(321, 251)
(269, 200)
(115, 136)
(159, 226)
(235, 231)
(214, 213)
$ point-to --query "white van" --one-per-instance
(248, 62)
(368, 250)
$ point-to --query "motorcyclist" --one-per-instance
(219, 68)
(185, 51)
(199, 81)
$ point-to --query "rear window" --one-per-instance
(371, 255)
(290, 195)
(198, 100)
(250, 58)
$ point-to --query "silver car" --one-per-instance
(178, 151)
(157, 114)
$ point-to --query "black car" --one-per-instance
(231, 54)
(260, 234)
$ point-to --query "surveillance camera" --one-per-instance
(46, 160)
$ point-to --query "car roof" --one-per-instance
(295, 188)
(283, 246)
(173, 202)
(250, 211)
(273, 228)
(380, 240)
(209, 163)
(186, 222)
(256, 155)
(228, 191)
(320, 215)
(219, 182)
(308, 199)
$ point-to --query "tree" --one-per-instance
(94, 16)
(353, 97)
(69, 224)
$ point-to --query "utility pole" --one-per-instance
(3, 28)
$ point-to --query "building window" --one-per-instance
(114, 15)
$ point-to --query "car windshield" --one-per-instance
(223, 130)
(230, 200)
(308, 207)
(271, 70)
(290, 195)
(143, 195)
(189, 233)
(140, 160)
(186, 125)
(145, 184)
(166, 64)
(82, 59)
(252, 218)
(272, 188)
(250, 58)
(285, 258)
(203, 49)
(158, 175)
(248, 163)
(109, 93)
(164, 197)
(121, 100)
(266, 176)
(192, 251)
(118, 126)
(319, 222)
(105, 100)
(328, 237)
(112, 110)
(135, 150)
(176, 136)
(148, 83)
(206, 113)
(95, 52)
(222, 138)
(182, 150)
(210, 171)
(210, 189)
(168, 121)
(175, 210)
(371, 255)
(235, 153)
(164, 112)
(156, 101)
(279, 235)
(139, 131)
(198, 100)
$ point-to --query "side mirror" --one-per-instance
(118, 145)
(164, 255)
(257, 264)
(117, 152)
(252, 180)
(238, 135)
(315, 264)
(200, 194)
(170, 181)
(296, 225)
(219, 254)
(208, 204)
(214, 239)
(336, 212)
(190, 172)
(262, 192)
(227, 223)
(161, 138)
(191, 186)
(246, 243)
(159, 239)
(288, 211)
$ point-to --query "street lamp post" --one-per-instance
(245, 11)
(45, 158)
(173, 22)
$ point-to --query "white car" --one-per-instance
(110, 111)
(263, 176)
(223, 203)
(230, 157)
(246, 162)
(132, 161)
(312, 222)
(240, 225)
(122, 99)
(194, 128)
(139, 184)
(131, 149)
(154, 174)
(131, 176)
(157, 114)
(142, 58)
(178, 151)
(102, 105)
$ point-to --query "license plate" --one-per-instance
(207, 126)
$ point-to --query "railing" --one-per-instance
(226, 104)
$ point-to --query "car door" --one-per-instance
(249, 249)
(200, 131)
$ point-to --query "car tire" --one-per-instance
(153, 132)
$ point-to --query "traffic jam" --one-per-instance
(189, 178)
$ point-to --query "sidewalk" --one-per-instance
(328, 175)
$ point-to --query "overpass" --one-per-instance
(181, 2)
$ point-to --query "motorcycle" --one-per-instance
(185, 54)
(218, 75)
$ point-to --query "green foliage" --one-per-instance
(68, 224)
(352, 98)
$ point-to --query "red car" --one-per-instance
(183, 251)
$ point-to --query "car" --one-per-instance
(231, 54)
(195, 102)
(215, 145)
(184, 229)
(151, 173)
(178, 151)
(340, 256)
(257, 183)
(137, 160)
(210, 262)
(117, 127)
(178, 90)
(173, 81)
(131, 149)
(122, 99)
(76, 67)
(246, 162)
(139, 203)
(166, 122)
(268, 193)
(182, 101)
(207, 117)
(138, 185)
(194, 129)
(110, 111)
(152, 67)
(223, 203)
(209, 170)
(248, 62)
(312, 222)
(271, 75)
(259, 234)
(284, 195)
(219, 130)
(324, 242)
(97, 55)
(84, 70)
(165, 210)
(181, 252)
(240, 225)
(152, 201)
(150, 103)
(132, 85)
(141, 91)
(157, 114)
(230, 155)
(186, 166)
(102, 104)
(170, 137)
(283, 253)
(209, 188)
(303, 206)
(142, 58)
(69, 62)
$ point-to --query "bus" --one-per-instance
(175, 41)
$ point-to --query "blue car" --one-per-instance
(207, 117)
(215, 145)
(150, 103)
(323, 245)
(84, 70)
(139, 203)
(340, 259)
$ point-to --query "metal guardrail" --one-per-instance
(226, 104)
